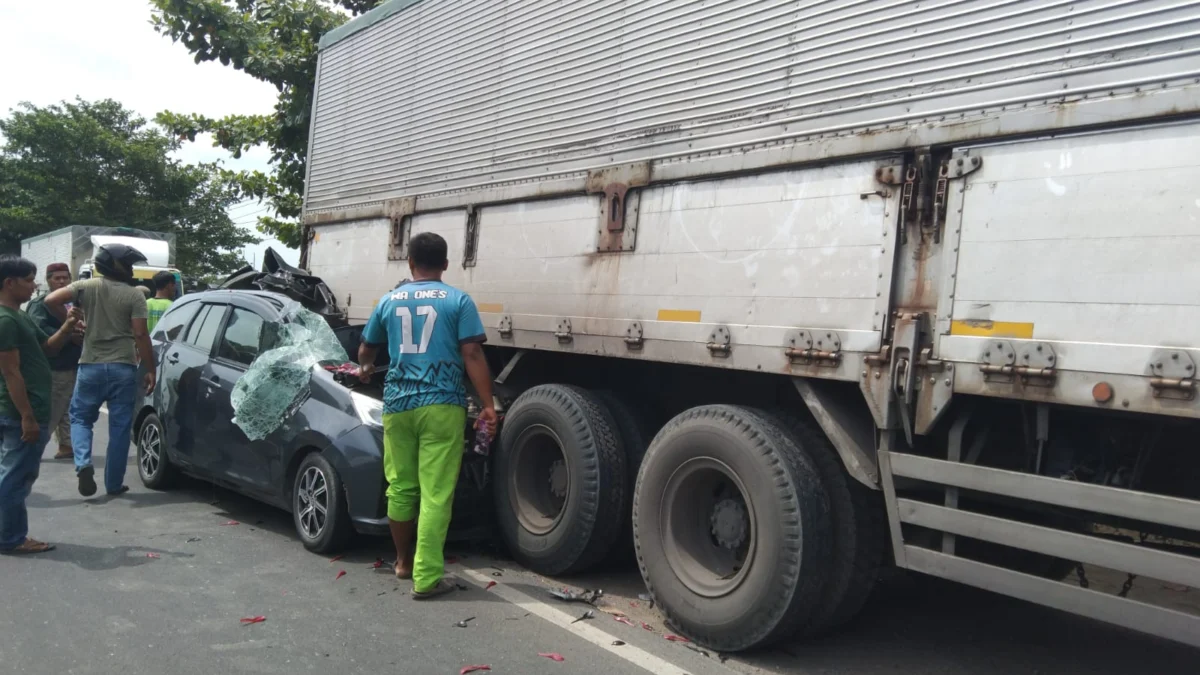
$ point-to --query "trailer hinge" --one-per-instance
(563, 333)
(955, 167)
(471, 240)
(824, 348)
(400, 214)
(1034, 366)
(633, 335)
(619, 204)
(720, 343)
(1173, 375)
(505, 327)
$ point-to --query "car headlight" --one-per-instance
(370, 410)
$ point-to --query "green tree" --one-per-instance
(97, 163)
(274, 41)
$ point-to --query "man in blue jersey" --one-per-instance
(433, 335)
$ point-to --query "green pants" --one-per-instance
(422, 454)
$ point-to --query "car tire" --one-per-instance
(154, 467)
(859, 529)
(560, 479)
(319, 509)
(636, 433)
(731, 527)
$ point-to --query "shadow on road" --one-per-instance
(101, 558)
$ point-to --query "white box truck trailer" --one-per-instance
(76, 245)
(787, 291)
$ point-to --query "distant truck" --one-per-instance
(76, 245)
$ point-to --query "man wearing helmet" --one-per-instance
(116, 338)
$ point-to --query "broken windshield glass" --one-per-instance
(277, 382)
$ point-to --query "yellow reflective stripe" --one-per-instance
(684, 315)
(979, 328)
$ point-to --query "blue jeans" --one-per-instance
(19, 466)
(95, 385)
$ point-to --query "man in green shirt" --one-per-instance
(63, 366)
(24, 400)
(115, 341)
(164, 295)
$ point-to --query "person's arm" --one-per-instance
(53, 344)
(471, 337)
(10, 369)
(141, 339)
(373, 335)
(56, 301)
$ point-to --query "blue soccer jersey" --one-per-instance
(424, 324)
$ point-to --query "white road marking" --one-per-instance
(635, 655)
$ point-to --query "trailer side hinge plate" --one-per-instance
(820, 347)
(720, 342)
(1172, 374)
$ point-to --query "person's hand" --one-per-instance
(72, 321)
(30, 430)
(488, 416)
(149, 380)
(364, 372)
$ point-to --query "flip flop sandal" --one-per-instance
(30, 546)
(442, 587)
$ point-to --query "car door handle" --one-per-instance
(214, 380)
(173, 359)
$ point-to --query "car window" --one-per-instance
(204, 329)
(242, 338)
(170, 326)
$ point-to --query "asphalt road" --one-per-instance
(158, 582)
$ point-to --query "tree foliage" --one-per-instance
(97, 163)
(274, 41)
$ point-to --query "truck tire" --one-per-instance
(859, 529)
(636, 433)
(560, 479)
(732, 528)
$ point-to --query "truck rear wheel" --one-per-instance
(636, 433)
(560, 479)
(858, 529)
(732, 527)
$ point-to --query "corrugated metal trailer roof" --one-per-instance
(421, 97)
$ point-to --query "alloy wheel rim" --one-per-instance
(312, 499)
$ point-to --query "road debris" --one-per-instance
(340, 574)
(254, 619)
(646, 597)
(623, 620)
(336, 558)
(451, 560)
(231, 522)
(497, 574)
(462, 587)
(489, 585)
(553, 656)
(618, 643)
(153, 555)
(674, 638)
(699, 651)
(473, 669)
(464, 622)
(193, 539)
(586, 596)
(585, 616)
(647, 626)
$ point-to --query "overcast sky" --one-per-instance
(60, 49)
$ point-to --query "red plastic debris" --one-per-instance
(153, 555)
(336, 558)
(340, 575)
(675, 638)
(623, 620)
(377, 564)
(472, 669)
(232, 522)
(254, 619)
(553, 656)
(633, 604)
(647, 626)
(489, 585)
(452, 560)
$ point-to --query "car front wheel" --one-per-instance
(319, 506)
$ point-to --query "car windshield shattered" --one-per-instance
(277, 382)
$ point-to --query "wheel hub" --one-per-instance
(558, 479)
(730, 523)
